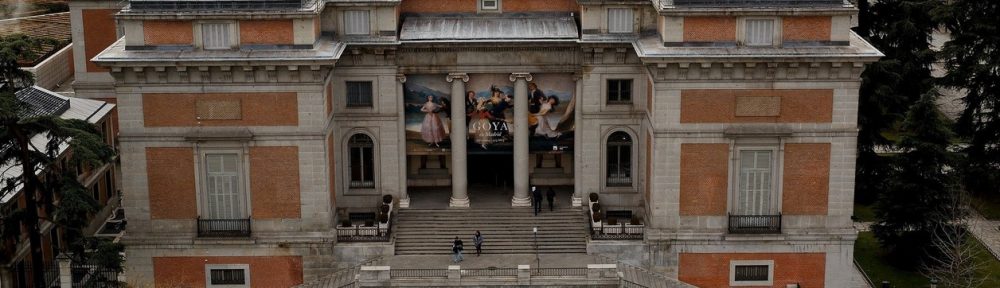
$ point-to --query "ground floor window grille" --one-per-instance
(751, 273)
(228, 275)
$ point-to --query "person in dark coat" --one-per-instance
(478, 241)
(551, 195)
(536, 199)
(456, 248)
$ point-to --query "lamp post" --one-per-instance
(534, 231)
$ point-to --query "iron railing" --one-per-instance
(224, 227)
(490, 272)
(51, 273)
(756, 3)
(418, 273)
(629, 284)
(619, 179)
(559, 272)
(755, 224)
(378, 233)
(620, 231)
(173, 5)
(87, 275)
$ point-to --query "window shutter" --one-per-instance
(356, 22)
(759, 32)
(619, 20)
(216, 35)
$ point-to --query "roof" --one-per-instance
(54, 26)
(325, 50)
(45, 102)
(652, 47)
(507, 26)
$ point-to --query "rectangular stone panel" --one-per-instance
(219, 109)
(758, 106)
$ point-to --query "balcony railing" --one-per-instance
(223, 227)
(755, 224)
(756, 3)
(620, 231)
(173, 5)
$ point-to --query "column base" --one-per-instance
(577, 201)
(459, 202)
(520, 202)
(404, 202)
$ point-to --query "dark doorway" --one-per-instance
(491, 169)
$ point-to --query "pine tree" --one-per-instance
(17, 128)
(972, 58)
(920, 189)
(901, 29)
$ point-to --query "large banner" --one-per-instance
(489, 113)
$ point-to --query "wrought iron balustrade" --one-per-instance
(620, 231)
(755, 224)
(756, 3)
(418, 273)
(490, 272)
(559, 272)
(224, 227)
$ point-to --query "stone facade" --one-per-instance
(698, 96)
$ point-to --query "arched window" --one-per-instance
(619, 172)
(362, 161)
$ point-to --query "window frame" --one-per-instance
(607, 160)
(732, 272)
(201, 169)
(631, 20)
(481, 5)
(347, 95)
(631, 91)
(349, 179)
(742, 29)
(234, 40)
(368, 24)
(210, 267)
(777, 150)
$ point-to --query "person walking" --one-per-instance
(551, 195)
(478, 241)
(456, 248)
(536, 199)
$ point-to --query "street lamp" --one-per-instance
(534, 231)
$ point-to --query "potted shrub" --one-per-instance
(593, 197)
(597, 216)
(386, 199)
(595, 208)
(383, 218)
(384, 209)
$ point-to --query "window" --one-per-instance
(216, 36)
(359, 93)
(619, 159)
(54, 240)
(755, 182)
(759, 32)
(751, 273)
(362, 161)
(224, 197)
(228, 276)
(620, 20)
(110, 184)
(489, 5)
(619, 91)
(356, 22)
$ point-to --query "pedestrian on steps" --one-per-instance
(456, 248)
(478, 241)
(536, 199)
(551, 195)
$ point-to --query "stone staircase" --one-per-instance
(506, 231)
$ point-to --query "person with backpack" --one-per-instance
(456, 248)
(478, 241)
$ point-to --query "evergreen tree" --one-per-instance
(901, 29)
(972, 58)
(17, 128)
(920, 194)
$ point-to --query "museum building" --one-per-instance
(249, 130)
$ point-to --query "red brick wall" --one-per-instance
(709, 29)
(813, 28)
(806, 179)
(467, 6)
(719, 106)
(265, 271)
(99, 31)
(267, 32)
(156, 32)
(171, 183)
(712, 269)
(258, 109)
(274, 182)
(704, 173)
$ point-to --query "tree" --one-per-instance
(901, 29)
(17, 128)
(955, 261)
(972, 59)
(920, 188)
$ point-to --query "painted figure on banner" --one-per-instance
(545, 128)
(432, 129)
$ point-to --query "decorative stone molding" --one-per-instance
(219, 74)
(756, 70)
(453, 76)
(401, 78)
(527, 76)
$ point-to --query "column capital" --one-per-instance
(525, 75)
(401, 78)
(452, 76)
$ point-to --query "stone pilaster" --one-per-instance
(459, 134)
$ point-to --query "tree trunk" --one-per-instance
(30, 188)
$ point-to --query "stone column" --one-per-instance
(459, 132)
(521, 135)
(577, 199)
(404, 197)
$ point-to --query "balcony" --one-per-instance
(189, 5)
(755, 224)
(223, 227)
(756, 3)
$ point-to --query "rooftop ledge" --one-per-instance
(325, 50)
(651, 48)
